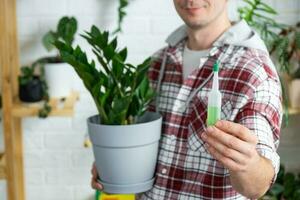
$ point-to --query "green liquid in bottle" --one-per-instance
(213, 115)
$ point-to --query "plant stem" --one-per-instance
(108, 71)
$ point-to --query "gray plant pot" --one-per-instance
(126, 155)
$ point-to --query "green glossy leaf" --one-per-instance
(67, 28)
(123, 54)
(48, 39)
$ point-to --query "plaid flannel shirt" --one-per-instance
(251, 96)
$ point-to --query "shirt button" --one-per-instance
(164, 171)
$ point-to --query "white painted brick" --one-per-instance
(31, 49)
(33, 159)
(56, 159)
(288, 18)
(33, 140)
(25, 8)
(92, 7)
(48, 23)
(64, 141)
(34, 177)
(287, 6)
(153, 43)
(165, 25)
(78, 85)
(137, 26)
(80, 121)
(49, 193)
(50, 123)
(53, 7)
(28, 26)
(84, 193)
(75, 177)
(83, 158)
(160, 8)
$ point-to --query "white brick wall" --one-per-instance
(56, 164)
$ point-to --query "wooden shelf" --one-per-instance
(2, 166)
(294, 111)
(60, 107)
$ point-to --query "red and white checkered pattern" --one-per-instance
(251, 96)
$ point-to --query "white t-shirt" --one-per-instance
(191, 60)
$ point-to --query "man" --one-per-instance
(236, 158)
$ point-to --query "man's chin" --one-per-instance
(196, 25)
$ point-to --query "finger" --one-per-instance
(94, 171)
(95, 185)
(226, 151)
(227, 162)
(228, 140)
(237, 130)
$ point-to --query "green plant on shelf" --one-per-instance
(26, 76)
(65, 31)
(121, 91)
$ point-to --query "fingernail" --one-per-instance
(204, 136)
(210, 129)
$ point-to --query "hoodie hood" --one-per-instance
(240, 34)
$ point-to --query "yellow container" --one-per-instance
(103, 196)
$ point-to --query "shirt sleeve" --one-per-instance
(263, 114)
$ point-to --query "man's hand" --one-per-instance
(234, 146)
(94, 183)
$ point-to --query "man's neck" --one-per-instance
(204, 37)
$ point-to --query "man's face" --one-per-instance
(199, 13)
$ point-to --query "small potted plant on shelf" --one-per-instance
(58, 74)
(33, 88)
(124, 135)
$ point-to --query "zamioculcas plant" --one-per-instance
(120, 90)
(123, 134)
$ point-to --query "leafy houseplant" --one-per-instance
(58, 73)
(33, 88)
(283, 41)
(286, 187)
(124, 136)
(120, 91)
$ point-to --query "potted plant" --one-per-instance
(33, 88)
(283, 42)
(30, 85)
(286, 187)
(287, 48)
(58, 74)
(125, 136)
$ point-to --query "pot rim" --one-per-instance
(157, 118)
